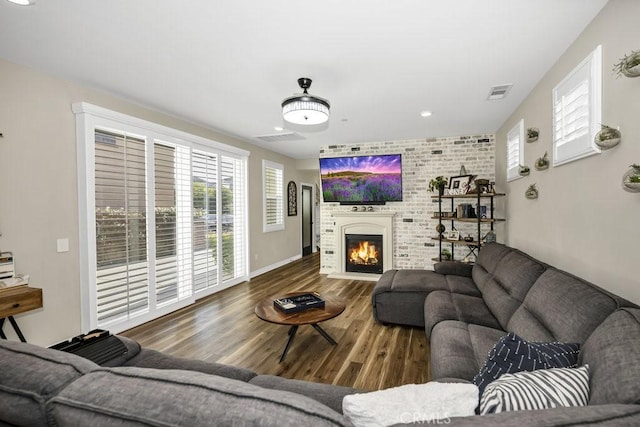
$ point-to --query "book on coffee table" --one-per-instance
(293, 304)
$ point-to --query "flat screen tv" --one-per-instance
(362, 179)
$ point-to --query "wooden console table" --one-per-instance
(15, 301)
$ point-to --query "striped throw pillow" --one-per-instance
(541, 389)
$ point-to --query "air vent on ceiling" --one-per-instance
(281, 137)
(499, 92)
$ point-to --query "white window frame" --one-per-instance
(569, 144)
(89, 118)
(279, 186)
(515, 141)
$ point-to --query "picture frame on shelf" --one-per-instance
(453, 235)
(459, 184)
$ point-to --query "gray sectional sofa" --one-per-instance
(465, 309)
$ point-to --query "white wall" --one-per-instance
(583, 221)
(38, 196)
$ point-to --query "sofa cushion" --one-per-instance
(513, 354)
(462, 285)
(487, 261)
(561, 307)
(327, 394)
(613, 355)
(458, 349)
(139, 396)
(399, 295)
(507, 287)
(148, 358)
(541, 389)
(442, 305)
(30, 375)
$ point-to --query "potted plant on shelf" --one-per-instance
(629, 65)
(631, 179)
(438, 183)
(608, 137)
(446, 255)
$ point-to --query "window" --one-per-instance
(577, 111)
(515, 150)
(273, 204)
(152, 226)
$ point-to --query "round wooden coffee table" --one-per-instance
(333, 307)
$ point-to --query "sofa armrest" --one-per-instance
(454, 268)
(612, 414)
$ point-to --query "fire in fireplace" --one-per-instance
(363, 253)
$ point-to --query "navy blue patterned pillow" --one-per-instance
(513, 354)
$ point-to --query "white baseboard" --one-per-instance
(274, 266)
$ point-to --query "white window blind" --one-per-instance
(577, 111)
(273, 204)
(515, 150)
(122, 287)
(157, 207)
(233, 222)
(172, 222)
(205, 220)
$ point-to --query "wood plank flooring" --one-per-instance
(223, 328)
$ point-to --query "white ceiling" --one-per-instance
(228, 65)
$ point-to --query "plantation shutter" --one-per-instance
(233, 222)
(576, 111)
(158, 207)
(515, 155)
(205, 220)
(173, 222)
(273, 196)
(122, 285)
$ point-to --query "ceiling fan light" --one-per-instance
(305, 109)
(23, 2)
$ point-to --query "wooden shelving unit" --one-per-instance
(475, 244)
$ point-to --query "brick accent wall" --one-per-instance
(422, 159)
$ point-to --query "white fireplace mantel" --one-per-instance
(362, 223)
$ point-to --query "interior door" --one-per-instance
(307, 220)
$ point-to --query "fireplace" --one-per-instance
(378, 225)
(363, 253)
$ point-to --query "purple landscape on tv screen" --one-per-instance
(362, 179)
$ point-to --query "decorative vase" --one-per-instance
(608, 137)
(629, 65)
(627, 184)
(524, 170)
(532, 134)
(532, 192)
(490, 237)
(632, 72)
(542, 163)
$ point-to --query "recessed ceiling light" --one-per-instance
(425, 113)
(278, 128)
(23, 2)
